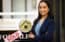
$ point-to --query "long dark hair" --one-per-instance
(50, 14)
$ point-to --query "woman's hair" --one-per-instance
(50, 9)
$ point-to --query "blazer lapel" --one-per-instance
(43, 27)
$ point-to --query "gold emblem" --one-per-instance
(25, 26)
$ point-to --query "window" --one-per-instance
(23, 5)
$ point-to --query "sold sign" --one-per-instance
(13, 36)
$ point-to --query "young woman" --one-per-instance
(43, 27)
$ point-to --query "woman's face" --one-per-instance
(43, 8)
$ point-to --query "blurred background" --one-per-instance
(13, 6)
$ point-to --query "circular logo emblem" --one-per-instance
(25, 26)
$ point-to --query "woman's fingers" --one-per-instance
(31, 36)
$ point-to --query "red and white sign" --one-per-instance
(12, 37)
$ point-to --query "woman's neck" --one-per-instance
(44, 16)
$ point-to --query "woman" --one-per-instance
(43, 27)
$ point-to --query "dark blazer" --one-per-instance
(46, 31)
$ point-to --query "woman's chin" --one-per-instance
(44, 14)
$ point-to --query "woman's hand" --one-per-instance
(31, 35)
